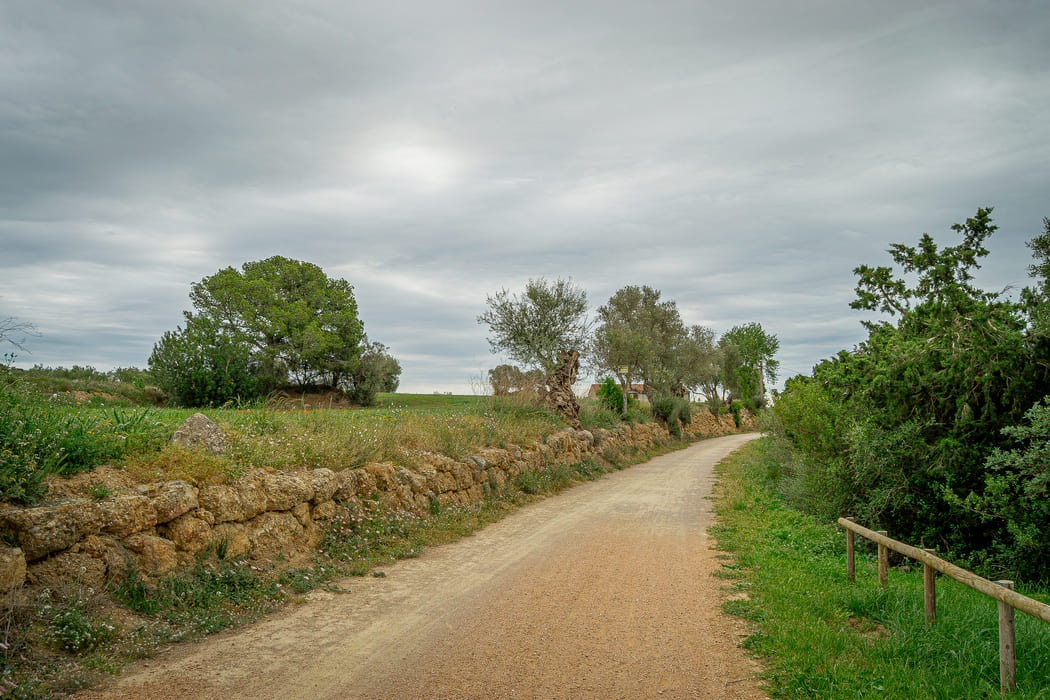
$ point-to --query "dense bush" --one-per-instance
(673, 411)
(610, 395)
(203, 365)
(1017, 493)
(897, 432)
(376, 371)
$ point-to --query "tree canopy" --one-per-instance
(916, 410)
(748, 361)
(641, 338)
(298, 320)
(273, 322)
(532, 327)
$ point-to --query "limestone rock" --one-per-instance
(384, 475)
(231, 538)
(190, 534)
(356, 483)
(199, 431)
(241, 501)
(61, 570)
(302, 513)
(107, 549)
(174, 498)
(127, 514)
(47, 529)
(324, 483)
(285, 491)
(156, 554)
(414, 481)
(326, 510)
(269, 532)
(12, 568)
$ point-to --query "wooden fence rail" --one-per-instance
(1002, 591)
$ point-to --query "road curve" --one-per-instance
(602, 591)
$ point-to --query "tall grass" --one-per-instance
(822, 637)
(42, 436)
(46, 434)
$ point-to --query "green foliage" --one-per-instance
(927, 397)
(640, 338)
(39, 437)
(72, 628)
(610, 396)
(215, 594)
(748, 362)
(363, 531)
(533, 327)
(673, 411)
(295, 318)
(820, 636)
(275, 321)
(594, 415)
(204, 365)
(735, 408)
(375, 371)
(1017, 493)
(124, 385)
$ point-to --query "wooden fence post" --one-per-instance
(1007, 651)
(851, 566)
(884, 560)
(929, 587)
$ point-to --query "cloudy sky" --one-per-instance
(742, 156)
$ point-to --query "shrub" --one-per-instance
(1017, 493)
(203, 365)
(673, 411)
(610, 395)
(736, 407)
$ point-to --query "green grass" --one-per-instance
(821, 637)
(41, 435)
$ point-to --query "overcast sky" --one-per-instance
(741, 156)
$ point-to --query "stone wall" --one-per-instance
(161, 527)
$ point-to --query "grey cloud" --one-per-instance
(743, 157)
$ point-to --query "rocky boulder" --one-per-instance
(199, 431)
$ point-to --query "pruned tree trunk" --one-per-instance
(560, 397)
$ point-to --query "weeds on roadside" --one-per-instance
(39, 437)
(822, 637)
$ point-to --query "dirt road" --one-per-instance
(603, 591)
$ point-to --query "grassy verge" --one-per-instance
(822, 637)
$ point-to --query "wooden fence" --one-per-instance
(1002, 591)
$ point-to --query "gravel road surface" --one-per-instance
(602, 591)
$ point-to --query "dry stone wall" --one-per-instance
(161, 527)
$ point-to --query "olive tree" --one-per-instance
(532, 327)
(545, 328)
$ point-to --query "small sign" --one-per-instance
(623, 369)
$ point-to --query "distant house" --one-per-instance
(636, 391)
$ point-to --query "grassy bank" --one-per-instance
(67, 432)
(821, 637)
